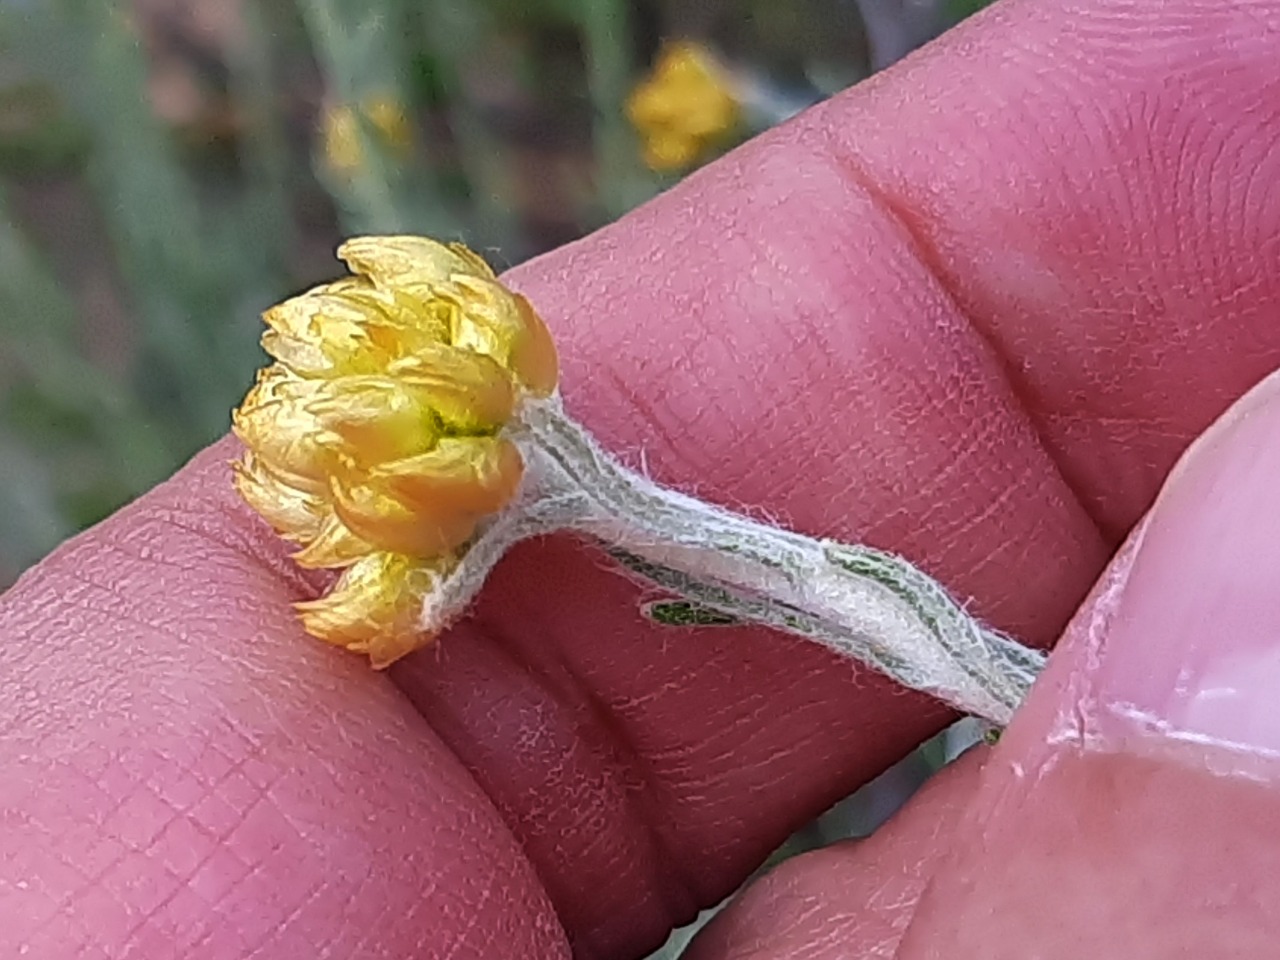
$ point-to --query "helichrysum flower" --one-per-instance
(374, 442)
(684, 108)
(344, 150)
(410, 432)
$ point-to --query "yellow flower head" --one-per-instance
(685, 107)
(374, 441)
(340, 127)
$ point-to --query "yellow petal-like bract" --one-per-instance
(374, 442)
(685, 107)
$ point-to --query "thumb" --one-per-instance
(1133, 809)
(1130, 810)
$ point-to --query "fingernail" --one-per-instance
(1190, 659)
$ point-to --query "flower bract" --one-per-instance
(375, 440)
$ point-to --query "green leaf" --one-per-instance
(683, 613)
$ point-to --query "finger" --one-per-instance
(1133, 808)
(185, 775)
(617, 756)
(852, 899)
(970, 312)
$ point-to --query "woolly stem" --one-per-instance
(863, 603)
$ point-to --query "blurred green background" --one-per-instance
(170, 168)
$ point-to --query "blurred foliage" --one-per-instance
(169, 168)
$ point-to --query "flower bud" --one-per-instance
(374, 441)
(685, 107)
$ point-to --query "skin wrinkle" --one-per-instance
(569, 690)
(265, 938)
(996, 506)
(925, 510)
(701, 419)
(647, 412)
(264, 797)
(148, 844)
(232, 538)
(944, 275)
(644, 799)
(670, 877)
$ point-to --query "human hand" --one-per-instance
(971, 312)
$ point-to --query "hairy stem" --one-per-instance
(861, 602)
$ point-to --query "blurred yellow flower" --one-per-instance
(684, 108)
(375, 441)
(340, 127)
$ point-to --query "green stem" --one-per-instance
(620, 181)
(454, 34)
